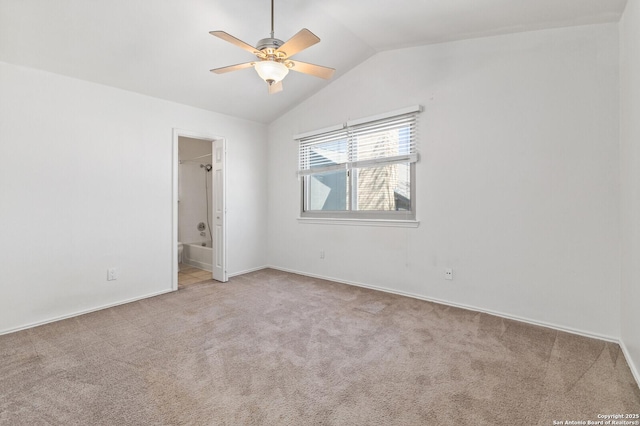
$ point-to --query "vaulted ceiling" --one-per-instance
(163, 48)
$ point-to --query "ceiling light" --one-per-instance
(271, 71)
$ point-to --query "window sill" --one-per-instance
(360, 222)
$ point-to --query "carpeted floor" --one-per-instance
(279, 349)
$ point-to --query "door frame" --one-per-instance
(177, 133)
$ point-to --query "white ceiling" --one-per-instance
(163, 48)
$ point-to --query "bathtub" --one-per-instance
(199, 255)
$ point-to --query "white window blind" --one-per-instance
(382, 140)
(324, 152)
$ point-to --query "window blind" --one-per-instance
(324, 152)
(387, 139)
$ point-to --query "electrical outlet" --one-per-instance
(448, 274)
(321, 254)
(112, 274)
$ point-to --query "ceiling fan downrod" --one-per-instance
(272, 19)
(271, 44)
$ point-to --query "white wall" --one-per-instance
(85, 184)
(517, 188)
(193, 192)
(630, 181)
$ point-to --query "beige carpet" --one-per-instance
(279, 349)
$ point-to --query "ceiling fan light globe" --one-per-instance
(271, 71)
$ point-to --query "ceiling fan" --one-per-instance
(274, 57)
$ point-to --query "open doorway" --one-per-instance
(199, 222)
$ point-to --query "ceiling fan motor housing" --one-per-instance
(269, 43)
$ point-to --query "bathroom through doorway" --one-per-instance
(199, 222)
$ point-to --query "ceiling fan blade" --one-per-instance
(232, 68)
(275, 88)
(231, 39)
(315, 70)
(303, 39)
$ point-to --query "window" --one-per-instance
(363, 169)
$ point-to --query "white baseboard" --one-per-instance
(247, 271)
(630, 363)
(198, 264)
(632, 366)
(86, 311)
(459, 305)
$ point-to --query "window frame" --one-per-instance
(380, 217)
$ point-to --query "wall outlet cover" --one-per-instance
(112, 274)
